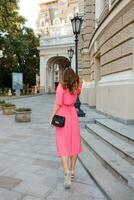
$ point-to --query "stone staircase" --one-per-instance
(108, 156)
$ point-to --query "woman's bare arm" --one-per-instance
(55, 109)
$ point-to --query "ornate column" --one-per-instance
(42, 74)
(133, 50)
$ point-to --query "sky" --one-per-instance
(29, 9)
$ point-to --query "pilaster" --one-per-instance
(42, 74)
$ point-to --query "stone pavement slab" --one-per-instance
(47, 163)
(10, 195)
(30, 198)
(29, 166)
(9, 182)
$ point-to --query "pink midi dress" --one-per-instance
(68, 139)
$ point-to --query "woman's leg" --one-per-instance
(64, 160)
(67, 178)
(73, 160)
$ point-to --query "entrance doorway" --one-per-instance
(55, 68)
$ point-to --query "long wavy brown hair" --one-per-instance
(70, 80)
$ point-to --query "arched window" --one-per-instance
(56, 21)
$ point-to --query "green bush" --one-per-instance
(8, 104)
(23, 109)
(2, 102)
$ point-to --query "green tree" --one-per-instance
(21, 55)
(10, 20)
(19, 45)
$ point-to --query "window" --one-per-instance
(99, 7)
(42, 22)
(56, 21)
(58, 12)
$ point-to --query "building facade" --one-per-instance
(107, 57)
(56, 37)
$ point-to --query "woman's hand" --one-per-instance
(50, 120)
(55, 109)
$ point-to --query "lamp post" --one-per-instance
(70, 55)
(76, 25)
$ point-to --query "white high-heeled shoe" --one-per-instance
(67, 180)
(72, 174)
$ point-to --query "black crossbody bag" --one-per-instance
(58, 121)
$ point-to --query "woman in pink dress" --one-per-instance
(68, 140)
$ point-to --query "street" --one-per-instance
(29, 166)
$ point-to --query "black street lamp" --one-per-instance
(70, 55)
(76, 25)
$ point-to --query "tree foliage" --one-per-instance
(19, 45)
(10, 20)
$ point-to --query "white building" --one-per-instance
(56, 37)
(107, 57)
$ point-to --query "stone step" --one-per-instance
(110, 185)
(126, 132)
(110, 159)
(121, 147)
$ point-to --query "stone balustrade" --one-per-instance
(56, 40)
(57, 35)
(55, 30)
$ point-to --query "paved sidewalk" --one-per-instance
(29, 167)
